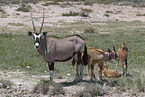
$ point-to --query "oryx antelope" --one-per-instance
(122, 55)
(99, 56)
(109, 73)
(54, 49)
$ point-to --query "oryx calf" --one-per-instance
(99, 56)
(54, 49)
(109, 73)
(122, 55)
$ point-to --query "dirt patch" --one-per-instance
(52, 15)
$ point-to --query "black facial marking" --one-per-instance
(29, 33)
(37, 40)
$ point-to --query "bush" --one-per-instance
(70, 14)
(107, 15)
(109, 12)
(140, 15)
(90, 91)
(52, 3)
(5, 83)
(87, 10)
(18, 1)
(88, 2)
(24, 8)
(89, 30)
(49, 88)
(1, 10)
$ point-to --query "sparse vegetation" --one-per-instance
(140, 14)
(16, 24)
(89, 30)
(88, 2)
(24, 8)
(50, 3)
(90, 91)
(1, 10)
(107, 15)
(87, 10)
(109, 12)
(49, 88)
(71, 13)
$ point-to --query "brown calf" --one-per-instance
(122, 55)
(109, 73)
(99, 56)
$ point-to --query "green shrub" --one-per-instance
(88, 2)
(138, 6)
(89, 30)
(48, 88)
(140, 14)
(5, 83)
(52, 3)
(24, 8)
(70, 14)
(87, 10)
(90, 91)
(107, 15)
(1, 10)
(109, 12)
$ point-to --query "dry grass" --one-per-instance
(49, 88)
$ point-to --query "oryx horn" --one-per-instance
(33, 22)
(114, 49)
(42, 22)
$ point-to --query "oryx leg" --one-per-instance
(92, 72)
(51, 70)
(125, 67)
(117, 65)
(79, 68)
(88, 68)
(100, 69)
(77, 73)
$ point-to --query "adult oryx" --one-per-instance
(54, 49)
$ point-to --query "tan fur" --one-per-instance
(122, 55)
(109, 73)
(97, 56)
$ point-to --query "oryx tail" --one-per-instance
(85, 56)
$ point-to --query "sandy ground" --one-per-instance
(53, 14)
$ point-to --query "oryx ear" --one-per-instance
(44, 33)
(109, 50)
(29, 33)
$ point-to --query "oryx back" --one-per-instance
(61, 49)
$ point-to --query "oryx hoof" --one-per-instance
(51, 79)
(80, 80)
(92, 80)
(75, 80)
(100, 79)
(94, 77)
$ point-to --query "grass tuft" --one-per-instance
(49, 88)
(89, 30)
(5, 83)
(90, 91)
(24, 8)
(70, 14)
